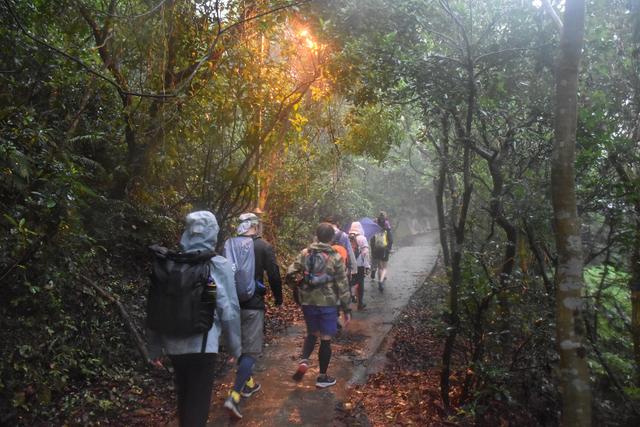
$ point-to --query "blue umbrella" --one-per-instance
(370, 227)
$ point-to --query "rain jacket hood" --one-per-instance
(356, 228)
(200, 233)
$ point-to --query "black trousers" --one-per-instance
(359, 279)
(194, 382)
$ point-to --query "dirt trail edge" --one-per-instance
(282, 401)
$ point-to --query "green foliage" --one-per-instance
(611, 285)
(373, 130)
(607, 289)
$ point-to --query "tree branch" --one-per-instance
(120, 89)
(142, 348)
(193, 69)
(554, 16)
(151, 11)
(513, 49)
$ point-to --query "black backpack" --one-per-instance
(182, 295)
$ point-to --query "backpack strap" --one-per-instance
(205, 335)
(312, 259)
(205, 338)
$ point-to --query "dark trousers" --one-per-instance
(359, 279)
(194, 382)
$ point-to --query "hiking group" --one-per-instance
(197, 295)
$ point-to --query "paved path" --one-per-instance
(283, 402)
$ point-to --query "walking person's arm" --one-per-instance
(295, 271)
(228, 312)
(341, 288)
(154, 344)
(365, 254)
(273, 274)
(294, 276)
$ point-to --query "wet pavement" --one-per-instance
(356, 352)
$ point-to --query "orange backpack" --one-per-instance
(342, 252)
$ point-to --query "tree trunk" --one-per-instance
(574, 372)
(497, 213)
(634, 285)
(455, 280)
(509, 260)
(542, 265)
(440, 184)
(455, 283)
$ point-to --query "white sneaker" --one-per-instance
(325, 381)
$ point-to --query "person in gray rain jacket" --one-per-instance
(192, 357)
(360, 246)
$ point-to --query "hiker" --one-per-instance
(381, 244)
(319, 276)
(341, 244)
(193, 355)
(386, 226)
(342, 251)
(387, 223)
(341, 238)
(261, 259)
(361, 250)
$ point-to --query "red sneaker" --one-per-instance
(302, 369)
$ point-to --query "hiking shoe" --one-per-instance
(302, 369)
(325, 381)
(381, 286)
(250, 391)
(231, 406)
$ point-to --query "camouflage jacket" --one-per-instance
(333, 293)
